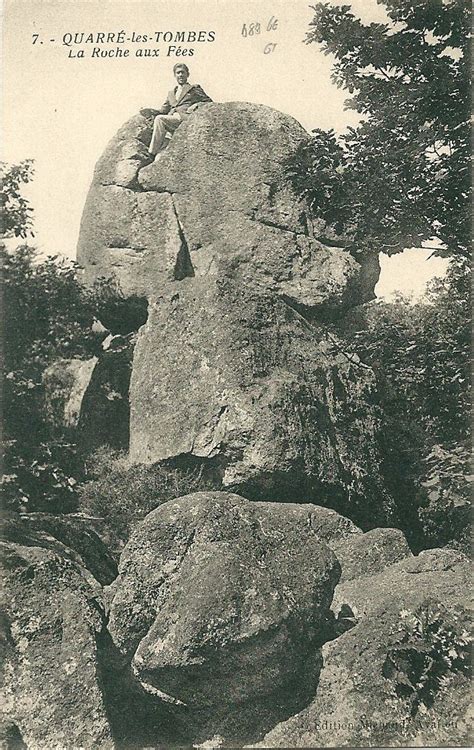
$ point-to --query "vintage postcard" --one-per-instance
(236, 339)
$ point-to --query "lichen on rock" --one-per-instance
(221, 606)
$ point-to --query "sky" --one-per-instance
(61, 109)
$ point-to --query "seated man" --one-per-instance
(180, 102)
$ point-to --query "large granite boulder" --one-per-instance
(52, 620)
(235, 367)
(400, 677)
(359, 554)
(435, 572)
(244, 383)
(370, 553)
(221, 606)
(218, 200)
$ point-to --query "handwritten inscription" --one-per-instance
(254, 28)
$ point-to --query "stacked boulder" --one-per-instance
(229, 621)
(235, 366)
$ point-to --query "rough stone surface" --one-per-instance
(244, 383)
(52, 618)
(369, 553)
(105, 410)
(327, 524)
(433, 572)
(221, 605)
(234, 367)
(68, 535)
(358, 701)
(359, 554)
(217, 202)
(65, 383)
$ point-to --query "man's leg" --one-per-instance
(162, 125)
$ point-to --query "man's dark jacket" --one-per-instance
(191, 95)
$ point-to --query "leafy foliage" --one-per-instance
(47, 315)
(47, 312)
(41, 477)
(403, 175)
(433, 644)
(445, 496)
(421, 354)
(15, 209)
(399, 179)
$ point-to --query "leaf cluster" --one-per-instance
(16, 213)
(47, 315)
(421, 354)
(403, 175)
(432, 645)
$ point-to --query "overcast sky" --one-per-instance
(61, 111)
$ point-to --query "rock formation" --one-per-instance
(380, 685)
(235, 367)
(67, 535)
(92, 396)
(221, 606)
(53, 616)
(105, 412)
(219, 630)
(64, 385)
(232, 618)
(218, 201)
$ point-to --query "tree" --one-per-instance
(401, 177)
(421, 354)
(15, 209)
(46, 315)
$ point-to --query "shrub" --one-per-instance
(421, 354)
(40, 478)
(123, 494)
(433, 645)
(47, 315)
(16, 219)
(445, 494)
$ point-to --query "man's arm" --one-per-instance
(199, 97)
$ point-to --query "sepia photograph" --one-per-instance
(236, 394)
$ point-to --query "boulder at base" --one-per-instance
(53, 616)
(400, 677)
(369, 553)
(221, 608)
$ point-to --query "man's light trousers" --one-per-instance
(163, 124)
